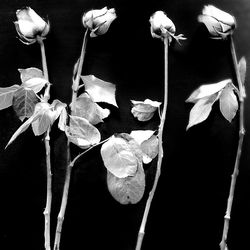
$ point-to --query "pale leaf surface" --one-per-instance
(99, 90)
(29, 73)
(6, 96)
(41, 125)
(148, 143)
(128, 190)
(242, 69)
(24, 101)
(141, 135)
(228, 103)
(144, 110)
(32, 78)
(63, 119)
(86, 108)
(207, 90)
(119, 158)
(82, 133)
(201, 110)
(150, 149)
(56, 109)
(36, 84)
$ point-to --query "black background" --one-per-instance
(190, 202)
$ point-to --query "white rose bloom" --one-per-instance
(29, 25)
(98, 21)
(161, 25)
(219, 23)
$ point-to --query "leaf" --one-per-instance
(57, 108)
(119, 157)
(29, 73)
(6, 96)
(23, 127)
(36, 84)
(99, 90)
(141, 135)
(207, 90)
(86, 108)
(150, 149)
(41, 125)
(32, 78)
(145, 110)
(82, 133)
(127, 190)
(242, 66)
(201, 110)
(49, 113)
(24, 101)
(148, 143)
(63, 120)
(228, 103)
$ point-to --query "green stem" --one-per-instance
(160, 153)
(47, 209)
(75, 88)
(223, 243)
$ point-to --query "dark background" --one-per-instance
(188, 209)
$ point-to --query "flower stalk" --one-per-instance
(75, 88)
(223, 243)
(46, 97)
(160, 153)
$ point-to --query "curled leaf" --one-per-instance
(121, 156)
(82, 133)
(242, 66)
(32, 78)
(145, 110)
(207, 90)
(86, 108)
(24, 101)
(29, 73)
(148, 143)
(128, 190)
(201, 110)
(6, 96)
(42, 124)
(63, 119)
(228, 103)
(99, 90)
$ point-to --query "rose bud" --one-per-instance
(98, 21)
(162, 26)
(29, 25)
(219, 23)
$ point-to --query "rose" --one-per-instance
(161, 25)
(98, 21)
(30, 25)
(219, 23)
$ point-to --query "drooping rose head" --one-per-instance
(29, 25)
(98, 21)
(219, 23)
(161, 25)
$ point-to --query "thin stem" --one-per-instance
(160, 153)
(223, 243)
(75, 88)
(49, 194)
(47, 210)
